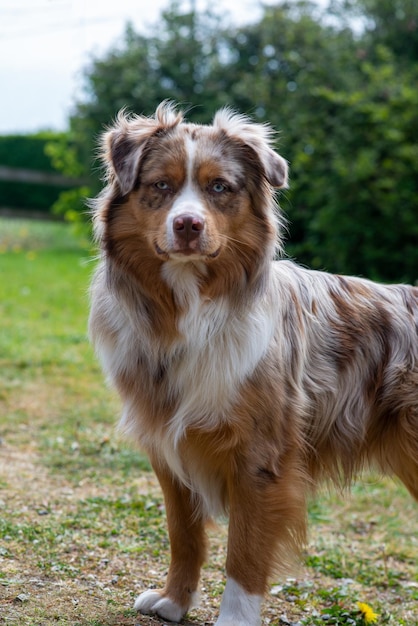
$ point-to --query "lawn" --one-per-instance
(82, 528)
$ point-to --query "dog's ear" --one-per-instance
(124, 144)
(275, 167)
(123, 147)
(257, 137)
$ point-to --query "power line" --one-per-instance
(26, 10)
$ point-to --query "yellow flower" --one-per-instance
(367, 613)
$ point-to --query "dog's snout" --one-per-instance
(188, 227)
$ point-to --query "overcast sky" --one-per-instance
(44, 45)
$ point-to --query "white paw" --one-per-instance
(152, 601)
(238, 607)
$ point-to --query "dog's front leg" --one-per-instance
(188, 550)
(266, 527)
(245, 584)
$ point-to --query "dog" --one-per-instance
(247, 380)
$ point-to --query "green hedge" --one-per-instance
(29, 196)
(28, 152)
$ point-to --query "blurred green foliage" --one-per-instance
(28, 151)
(28, 196)
(44, 152)
(339, 84)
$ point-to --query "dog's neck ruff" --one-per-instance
(220, 348)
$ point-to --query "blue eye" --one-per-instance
(162, 185)
(218, 187)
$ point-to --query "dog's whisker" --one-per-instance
(228, 238)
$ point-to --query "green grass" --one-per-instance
(45, 354)
(82, 524)
(43, 297)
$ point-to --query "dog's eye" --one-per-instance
(218, 186)
(162, 185)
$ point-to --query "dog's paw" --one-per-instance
(153, 602)
(238, 607)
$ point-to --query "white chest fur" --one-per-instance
(220, 348)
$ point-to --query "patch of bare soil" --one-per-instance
(38, 593)
(89, 580)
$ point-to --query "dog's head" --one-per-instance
(184, 192)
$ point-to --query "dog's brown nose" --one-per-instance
(188, 227)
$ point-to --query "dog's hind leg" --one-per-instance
(409, 477)
(400, 450)
(404, 463)
(188, 550)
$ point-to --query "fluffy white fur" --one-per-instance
(239, 608)
(151, 602)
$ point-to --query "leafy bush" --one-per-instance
(27, 151)
(43, 152)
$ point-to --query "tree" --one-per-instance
(342, 97)
(367, 218)
(391, 23)
(349, 129)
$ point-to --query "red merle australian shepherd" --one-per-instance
(246, 380)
